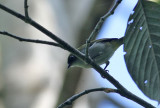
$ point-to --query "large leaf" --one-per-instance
(142, 46)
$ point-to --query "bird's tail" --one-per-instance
(121, 40)
(118, 42)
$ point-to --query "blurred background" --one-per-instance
(36, 76)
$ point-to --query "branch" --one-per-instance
(81, 56)
(26, 10)
(31, 40)
(99, 25)
(74, 97)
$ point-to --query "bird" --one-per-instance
(100, 51)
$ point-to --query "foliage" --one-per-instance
(142, 46)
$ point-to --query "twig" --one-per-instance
(26, 11)
(82, 57)
(99, 25)
(43, 30)
(31, 40)
(73, 98)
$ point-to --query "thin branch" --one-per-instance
(40, 28)
(99, 25)
(26, 10)
(30, 40)
(74, 97)
(82, 57)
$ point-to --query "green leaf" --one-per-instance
(142, 46)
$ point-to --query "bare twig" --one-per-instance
(82, 57)
(42, 29)
(30, 40)
(26, 10)
(99, 25)
(73, 98)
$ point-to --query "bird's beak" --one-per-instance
(69, 65)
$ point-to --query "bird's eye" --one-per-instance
(71, 58)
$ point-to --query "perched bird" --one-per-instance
(100, 51)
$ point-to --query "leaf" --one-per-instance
(142, 46)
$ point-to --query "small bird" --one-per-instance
(100, 51)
